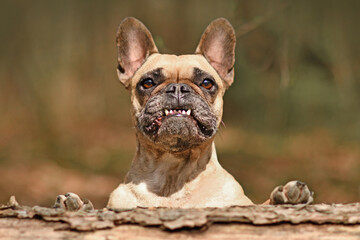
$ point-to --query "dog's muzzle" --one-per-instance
(177, 117)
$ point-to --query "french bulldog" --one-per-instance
(177, 107)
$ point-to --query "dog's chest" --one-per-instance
(199, 193)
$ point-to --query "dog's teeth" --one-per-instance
(177, 111)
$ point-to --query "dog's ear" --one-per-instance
(217, 44)
(134, 44)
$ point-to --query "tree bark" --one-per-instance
(320, 221)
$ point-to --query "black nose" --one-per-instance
(178, 90)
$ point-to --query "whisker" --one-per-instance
(220, 135)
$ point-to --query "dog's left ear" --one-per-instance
(217, 44)
(135, 44)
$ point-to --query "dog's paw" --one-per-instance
(294, 192)
(72, 202)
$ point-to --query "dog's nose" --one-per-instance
(178, 90)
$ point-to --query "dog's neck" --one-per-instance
(165, 173)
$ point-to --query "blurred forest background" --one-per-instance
(292, 112)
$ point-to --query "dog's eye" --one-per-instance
(207, 83)
(147, 83)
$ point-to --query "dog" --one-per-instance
(177, 107)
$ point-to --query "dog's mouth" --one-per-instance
(189, 114)
(177, 125)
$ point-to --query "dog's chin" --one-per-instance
(178, 132)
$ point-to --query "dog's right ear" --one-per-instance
(134, 44)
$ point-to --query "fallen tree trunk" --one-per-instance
(321, 221)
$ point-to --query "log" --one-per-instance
(319, 221)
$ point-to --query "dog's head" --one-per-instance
(177, 100)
